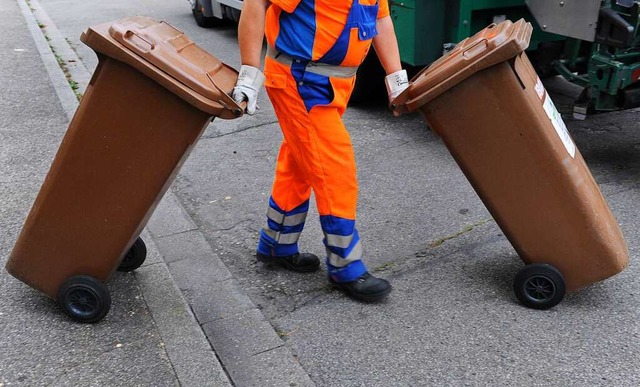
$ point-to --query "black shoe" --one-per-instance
(365, 288)
(301, 263)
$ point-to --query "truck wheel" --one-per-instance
(539, 286)
(84, 299)
(202, 20)
(135, 256)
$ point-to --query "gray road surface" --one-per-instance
(452, 318)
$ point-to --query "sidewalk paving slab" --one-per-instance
(150, 336)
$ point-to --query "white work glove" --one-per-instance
(250, 81)
(396, 83)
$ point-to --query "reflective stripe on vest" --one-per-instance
(319, 68)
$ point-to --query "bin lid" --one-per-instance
(169, 57)
(494, 44)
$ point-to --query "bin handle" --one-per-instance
(180, 31)
(226, 101)
(136, 45)
(478, 48)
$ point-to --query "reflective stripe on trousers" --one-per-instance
(342, 249)
(280, 236)
(316, 153)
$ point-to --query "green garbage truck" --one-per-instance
(592, 43)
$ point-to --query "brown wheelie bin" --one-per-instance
(486, 102)
(152, 94)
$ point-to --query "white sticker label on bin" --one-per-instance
(540, 88)
(556, 120)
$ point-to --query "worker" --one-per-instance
(314, 48)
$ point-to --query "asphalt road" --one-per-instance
(452, 318)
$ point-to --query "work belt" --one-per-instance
(319, 68)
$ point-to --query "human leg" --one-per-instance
(286, 215)
(319, 154)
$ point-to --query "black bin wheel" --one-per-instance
(84, 298)
(539, 286)
(134, 257)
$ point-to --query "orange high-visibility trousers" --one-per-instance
(316, 153)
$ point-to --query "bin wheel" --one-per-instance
(134, 257)
(202, 20)
(539, 286)
(84, 298)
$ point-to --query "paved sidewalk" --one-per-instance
(452, 318)
(150, 336)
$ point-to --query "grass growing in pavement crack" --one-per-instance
(384, 266)
(465, 230)
(392, 264)
(63, 65)
(282, 333)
